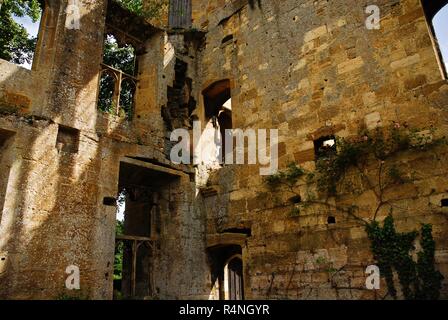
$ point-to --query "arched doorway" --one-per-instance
(227, 270)
(233, 279)
(440, 24)
(436, 12)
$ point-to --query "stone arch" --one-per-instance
(218, 110)
(433, 8)
(233, 278)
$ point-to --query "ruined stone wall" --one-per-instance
(310, 69)
(307, 68)
(64, 160)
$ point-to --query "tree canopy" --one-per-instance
(16, 45)
(121, 58)
(151, 9)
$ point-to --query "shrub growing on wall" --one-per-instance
(371, 157)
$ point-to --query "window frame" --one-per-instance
(430, 10)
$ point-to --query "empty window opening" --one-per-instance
(444, 203)
(6, 159)
(437, 17)
(218, 114)
(19, 28)
(136, 210)
(118, 81)
(325, 147)
(331, 220)
(125, 37)
(67, 139)
(227, 272)
(142, 199)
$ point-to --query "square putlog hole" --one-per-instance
(67, 140)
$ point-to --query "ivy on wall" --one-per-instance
(392, 251)
(371, 157)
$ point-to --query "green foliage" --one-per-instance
(395, 176)
(67, 297)
(290, 176)
(152, 9)
(106, 93)
(431, 279)
(295, 212)
(121, 58)
(332, 168)
(119, 250)
(321, 260)
(379, 144)
(127, 99)
(119, 228)
(15, 43)
(392, 251)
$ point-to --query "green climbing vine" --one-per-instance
(430, 278)
(371, 158)
(392, 251)
(380, 144)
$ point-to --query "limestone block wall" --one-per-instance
(311, 69)
(64, 160)
(307, 68)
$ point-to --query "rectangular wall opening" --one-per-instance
(226, 265)
(324, 147)
(143, 199)
(67, 139)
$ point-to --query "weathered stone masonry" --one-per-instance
(54, 215)
(308, 68)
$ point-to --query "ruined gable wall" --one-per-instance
(306, 67)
